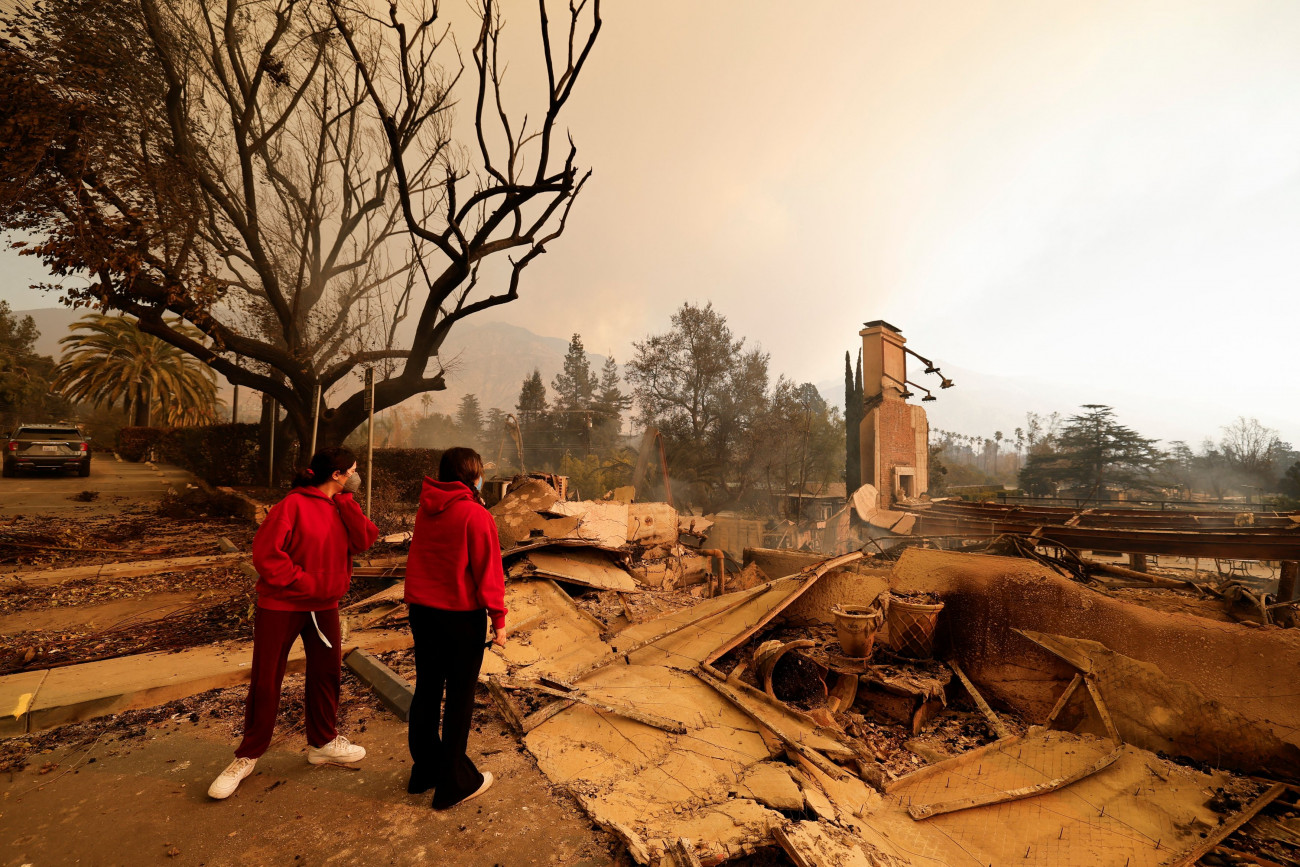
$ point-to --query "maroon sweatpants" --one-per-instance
(273, 634)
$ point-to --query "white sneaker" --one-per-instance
(338, 750)
(228, 780)
(488, 779)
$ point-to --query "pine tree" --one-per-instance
(575, 385)
(536, 424)
(610, 402)
(493, 423)
(1094, 453)
(532, 406)
(469, 419)
(496, 438)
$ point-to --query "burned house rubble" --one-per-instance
(907, 704)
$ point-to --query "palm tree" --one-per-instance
(109, 361)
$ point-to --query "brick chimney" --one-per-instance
(894, 434)
(884, 364)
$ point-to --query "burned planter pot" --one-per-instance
(856, 627)
(911, 626)
(790, 677)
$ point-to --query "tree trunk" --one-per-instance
(301, 431)
(140, 411)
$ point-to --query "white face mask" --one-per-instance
(478, 484)
(353, 484)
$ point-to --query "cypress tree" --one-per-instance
(852, 425)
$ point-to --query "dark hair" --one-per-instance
(460, 465)
(324, 464)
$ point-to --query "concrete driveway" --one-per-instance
(118, 483)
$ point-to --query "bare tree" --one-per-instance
(268, 116)
(477, 202)
(283, 175)
(1252, 451)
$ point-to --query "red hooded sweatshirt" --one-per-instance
(455, 558)
(303, 551)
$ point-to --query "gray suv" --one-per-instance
(58, 446)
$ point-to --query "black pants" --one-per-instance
(448, 656)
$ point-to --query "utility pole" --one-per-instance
(270, 455)
(370, 433)
(315, 418)
(234, 403)
(803, 471)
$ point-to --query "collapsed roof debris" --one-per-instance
(726, 778)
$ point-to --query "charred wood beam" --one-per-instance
(1136, 519)
(1237, 544)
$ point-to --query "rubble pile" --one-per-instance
(732, 720)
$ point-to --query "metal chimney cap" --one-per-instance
(882, 323)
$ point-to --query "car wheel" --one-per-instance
(84, 469)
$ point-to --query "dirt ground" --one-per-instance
(178, 526)
(133, 790)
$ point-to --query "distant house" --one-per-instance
(818, 501)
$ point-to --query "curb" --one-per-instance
(393, 689)
(33, 701)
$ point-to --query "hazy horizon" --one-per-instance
(981, 404)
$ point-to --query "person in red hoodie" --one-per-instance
(303, 555)
(454, 586)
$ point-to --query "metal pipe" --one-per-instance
(719, 566)
(910, 351)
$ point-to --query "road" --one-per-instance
(118, 483)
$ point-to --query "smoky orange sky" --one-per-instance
(1091, 201)
(1101, 199)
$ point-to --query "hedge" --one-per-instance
(227, 454)
(134, 443)
(399, 473)
(220, 454)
